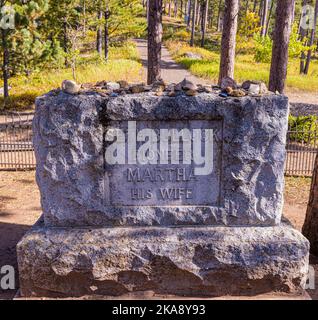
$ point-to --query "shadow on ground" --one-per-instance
(10, 235)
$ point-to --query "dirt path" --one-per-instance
(19, 210)
(297, 96)
(173, 72)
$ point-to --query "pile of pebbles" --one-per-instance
(228, 88)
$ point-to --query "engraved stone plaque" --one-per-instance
(159, 163)
(143, 160)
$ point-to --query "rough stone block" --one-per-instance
(200, 261)
(79, 188)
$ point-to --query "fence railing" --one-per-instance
(17, 152)
(16, 148)
(302, 148)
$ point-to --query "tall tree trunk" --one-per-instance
(84, 17)
(65, 41)
(194, 10)
(169, 10)
(175, 9)
(269, 18)
(211, 15)
(99, 35)
(312, 39)
(106, 32)
(247, 6)
(282, 32)
(310, 228)
(229, 39)
(189, 13)
(154, 40)
(255, 6)
(264, 17)
(181, 9)
(302, 33)
(260, 12)
(197, 16)
(294, 11)
(205, 19)
(219, 16)
(5, 64)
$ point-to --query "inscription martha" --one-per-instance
(158, 163)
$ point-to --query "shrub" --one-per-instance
(264, 45)
(263, 49)
(249, 25)
(296, 47)
(303, 128)
(182, 35)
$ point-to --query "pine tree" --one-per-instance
(31, 50)
(194, 9)
(283, 26)
(120, 20)
(154, 40)
(61, 16)
(5, 34)
(312, 39)
(204, 22)
(229, 39)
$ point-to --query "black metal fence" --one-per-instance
(16, 148)
(302, 148)
(17, 153)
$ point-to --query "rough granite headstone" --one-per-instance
(175, 195)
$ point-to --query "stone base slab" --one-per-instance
(190, 262)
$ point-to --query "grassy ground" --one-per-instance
(245, 67)
(123, 64)
(177, 38)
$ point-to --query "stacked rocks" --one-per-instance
(228, 88)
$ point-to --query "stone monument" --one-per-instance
(178, 195)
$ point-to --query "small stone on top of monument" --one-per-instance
(228, 82)
(170, 87)
(71, 87)
(255, 87)
(238, 93)
(123, 84)
(113, 86)
(188, 85)
(137, 88)
(191, 93)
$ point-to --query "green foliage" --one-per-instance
(303, 128)
(126, 50)
(30, 50)
(296, 47)
(264, 45)
(245, 67)
(182, 35)
(263, 48)
(123, 20)
(91, 69)
(249, 25)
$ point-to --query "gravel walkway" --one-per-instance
(171, 71)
